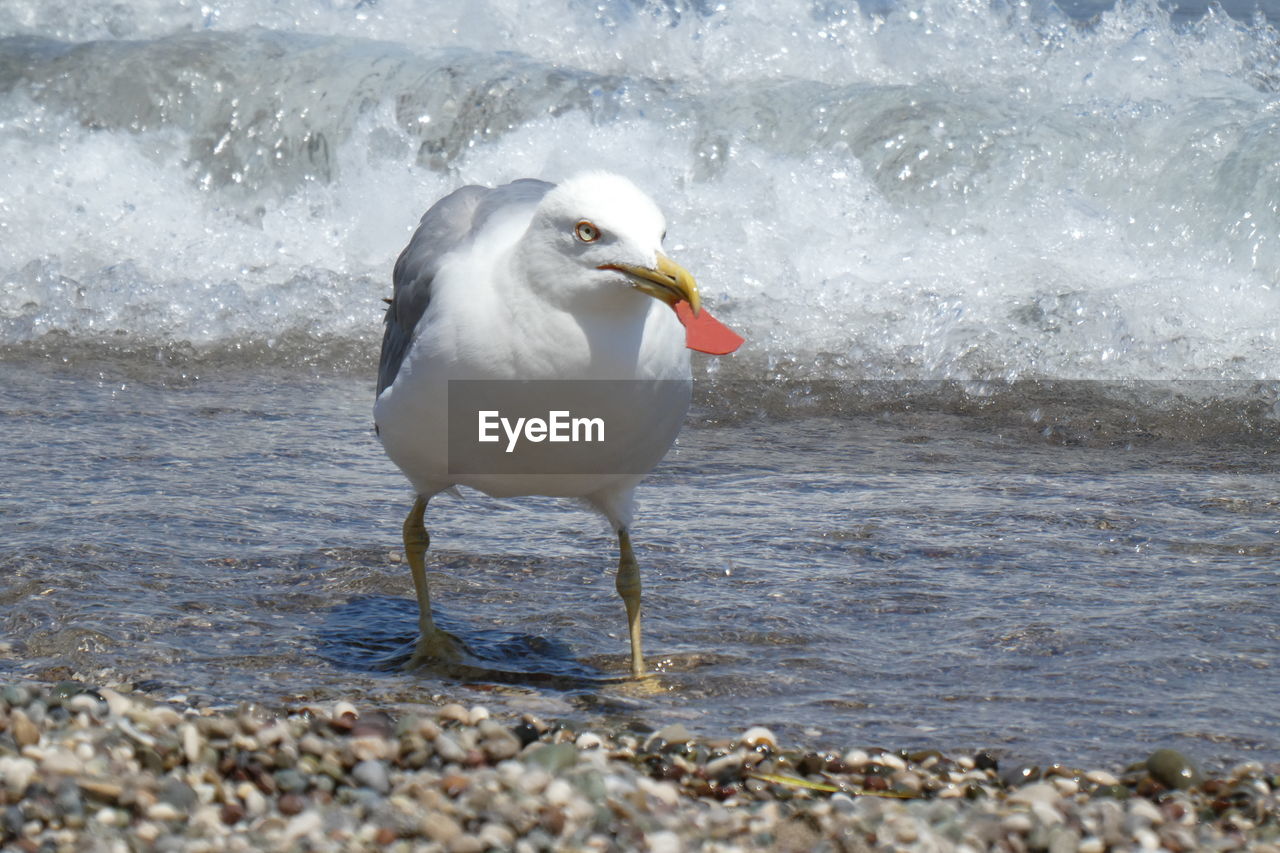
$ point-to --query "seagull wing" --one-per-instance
(449, 225)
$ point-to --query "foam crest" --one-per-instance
(946, 191)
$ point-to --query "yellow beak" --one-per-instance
(669, 282)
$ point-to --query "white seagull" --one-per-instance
(535, 281)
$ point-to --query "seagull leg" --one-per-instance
(629, 589)
(433, 644)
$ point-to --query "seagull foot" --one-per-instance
(647, 684)
(436, 647)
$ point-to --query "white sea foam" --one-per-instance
(954, 191)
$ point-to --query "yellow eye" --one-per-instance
(586, 232)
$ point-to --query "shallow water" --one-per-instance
(898, 579)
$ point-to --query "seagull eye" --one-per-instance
(586, 232)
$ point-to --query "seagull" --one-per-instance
(535, 281)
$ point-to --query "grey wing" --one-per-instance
(448, 225)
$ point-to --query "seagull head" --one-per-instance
(598, 233)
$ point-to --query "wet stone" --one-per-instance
(553, 757)
(1117, 792)
(1173, 769)
(673, 735)
(525, 732)
(1019, 774)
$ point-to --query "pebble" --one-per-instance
(1036, 792)
(1101, 777)
(372, 774)
(24, 731)
(759, 736)
(1173, 769)
(588, 740)
(455, 713)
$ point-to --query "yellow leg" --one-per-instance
(629, 589)
(432, 642)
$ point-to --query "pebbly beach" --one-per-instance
(86, 768)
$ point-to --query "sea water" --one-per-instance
(995, 468)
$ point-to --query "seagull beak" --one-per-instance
(669, 282)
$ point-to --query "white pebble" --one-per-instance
(61, 762)
(664, 842)
(1101, 777)
(1036, 792)
(495, 836)
(856, 759)
(254, 802)
(274, 733)
(343, 708)
(663, 792)
(1018, 822)
(888, 759)
(757, 735)
(17, 773)
(1046, 814)
(559, 792)
(454, 712)
(1145, 811)
(190, 743)
(476, 714)
(449, 749)
(1147, 839)
(534, 781)
(725, 763)
(1091, 844)
(303, 825)
(118, 705)
(163, 811)
(588, 740)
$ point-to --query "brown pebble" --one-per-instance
(291, 804)
(724, 792)
(374, 724)
(454, 784)
(811, 764)
(877, 783)
(665, 769)
(232, 813)
(552, 820)
(25, 732)
(385, 837)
